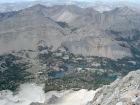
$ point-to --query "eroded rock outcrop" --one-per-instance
(124, 91)
(90, 40)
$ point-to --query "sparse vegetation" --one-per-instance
(73, 29)
(14, 75)
(63, 24)
(89, 72)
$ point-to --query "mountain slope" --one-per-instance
(119, 18)
(90, 40)
(26, 29)
(121, 11)
(4, 16)
(124, 91)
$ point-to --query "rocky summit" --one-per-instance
(124, 91)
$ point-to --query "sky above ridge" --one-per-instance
(11, 1)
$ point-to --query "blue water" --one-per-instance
(112, 78)
(60, 74)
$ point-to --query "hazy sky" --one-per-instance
(134, 1)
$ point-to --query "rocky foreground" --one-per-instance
(32, 94)
(124, 91)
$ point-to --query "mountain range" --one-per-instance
(97, 5)
(86, 31)
(81, 30)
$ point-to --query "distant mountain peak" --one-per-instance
(121, 11)
(38, 6)
(97, 5)
(72, 6)
(122, 8)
